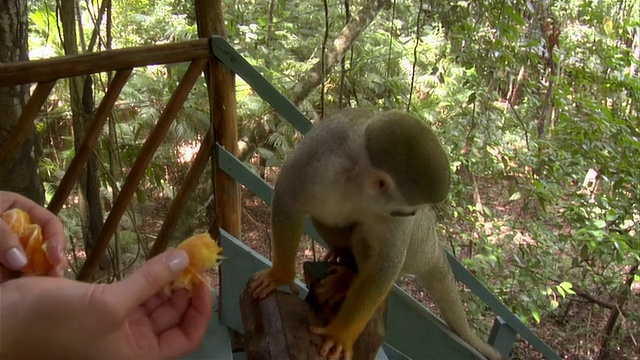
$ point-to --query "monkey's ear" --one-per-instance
(379, 182)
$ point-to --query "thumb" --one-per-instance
(154, 275)
(11, 252)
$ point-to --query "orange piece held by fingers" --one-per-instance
(30, 235)
(204, 253)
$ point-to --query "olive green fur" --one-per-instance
(406, 148)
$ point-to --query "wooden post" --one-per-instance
(277, 327)
(368, 343)
(222, 99)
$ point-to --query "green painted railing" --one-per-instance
(505, 326)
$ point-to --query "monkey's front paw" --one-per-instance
(334, 287)
(267, 281)
(336, 345)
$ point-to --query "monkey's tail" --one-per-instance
(442, 288)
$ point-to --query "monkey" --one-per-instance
(369, 182)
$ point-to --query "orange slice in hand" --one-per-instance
(204, 253)
(30, 236)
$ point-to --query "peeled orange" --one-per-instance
(30, 236)
(204, 253)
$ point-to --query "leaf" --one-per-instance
(567, 287)
(584, 252)
(536, 315)
(600, 224)
(472, 98)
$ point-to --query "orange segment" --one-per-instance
(204, 253)
(17, 220)
(30, 236)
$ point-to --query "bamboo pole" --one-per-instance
(23, 72)
(27, 116)
(137, 171)
(178, 204)
(89, 142)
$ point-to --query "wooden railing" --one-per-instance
(46, 72)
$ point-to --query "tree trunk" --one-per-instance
(20, 171)
(336, 51)
(82, 107)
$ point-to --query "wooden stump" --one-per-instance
(369, 342)
(277, 327)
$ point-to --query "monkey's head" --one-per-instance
(410, 160)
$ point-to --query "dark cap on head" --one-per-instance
(407, 149)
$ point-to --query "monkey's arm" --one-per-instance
(369, 289)
(288, 225)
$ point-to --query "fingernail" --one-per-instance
(16, 258)
(177, 260)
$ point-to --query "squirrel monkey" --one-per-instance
(369, 182)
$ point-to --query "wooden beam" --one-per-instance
(23, 72)
(90, 141)
(224, 118)
(27, 116)
(137, 171)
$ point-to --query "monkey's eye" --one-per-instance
(403, 213)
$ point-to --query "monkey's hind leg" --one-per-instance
(439, 283)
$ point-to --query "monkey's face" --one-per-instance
(381, 196)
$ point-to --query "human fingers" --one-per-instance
(52, 229)
(155, 301)
(170, 313)
(152, 277)
(12, 254)
(185, 338)
(52, 233)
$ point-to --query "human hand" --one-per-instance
(12, 256)
(45, 317)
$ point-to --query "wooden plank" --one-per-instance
(149, 148)
(234, 61)
(463, 275)
(392, 353)
(25, 122)
(216, 343)
(419, 334)
(90, 141)
(502, 336)
(23, 72)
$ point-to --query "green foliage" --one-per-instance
(523, 125)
